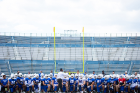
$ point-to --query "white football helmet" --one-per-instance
(36, 76)
(42, 75)
(99, 76)
(29, 76)
(76, 76)
(90, 76)
(55, 75)
(2, 74)
(112, 77)
(81, 76)
(46, 76)
(86, 76)
(12, 76)
(51, 75)
(20, 75)
(72, 75)
(106, 77)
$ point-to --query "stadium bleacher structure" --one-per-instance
(35, 53)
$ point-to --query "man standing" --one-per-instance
(18, 72)
(60, 76)
(78, 73)
(4, 84)
(93, 72)
(135, 74)
(103, 73)
(125, 73)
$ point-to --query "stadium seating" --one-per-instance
(4, 68)
(35, 53)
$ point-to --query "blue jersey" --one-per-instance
(116, 80)
(4, 81)
(72, 80)
(134, 81)
(21, 80)
(13, 81)
(28, 80)
(65, 80)
(99, 81)
(111, 81)
(90, 81)
(138, 81)
(37, 80)
(42, 81)
(127, 82)
(47, 81)
(76, 81)
(106, 82)
(55, 80)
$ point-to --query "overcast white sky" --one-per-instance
(96, 16)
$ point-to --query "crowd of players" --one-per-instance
(91, 83)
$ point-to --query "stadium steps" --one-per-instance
(4, 67)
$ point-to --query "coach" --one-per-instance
(60, 77)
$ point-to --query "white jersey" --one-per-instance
(81, 81)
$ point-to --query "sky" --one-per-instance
(96, 16)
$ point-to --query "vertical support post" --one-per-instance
(54, 49)
(83, 50)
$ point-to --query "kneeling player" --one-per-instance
(127, 85)
(36, 81)
(81, 83)
(42, 86)
(65, 83)
(99, 82)
(138, 84)
(72, 82)
(76, 83)
(55, 83)
(20, 83)
(46, 83)
(12, 83)
(90, 83)
(121, 84)
(29, 84)
(106, 84)
(134, 84)
(112, 83)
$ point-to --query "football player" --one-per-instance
(90, 83)
(29, 84)
(46, 83)
(13, 84)
(72, 82)
(4, 84)
(20, 83)
(76, 84)
(81, 83)
(36, 81)
(99, 83)
(65, 83)
(127, 84)
(42, 86)
(55, 83)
